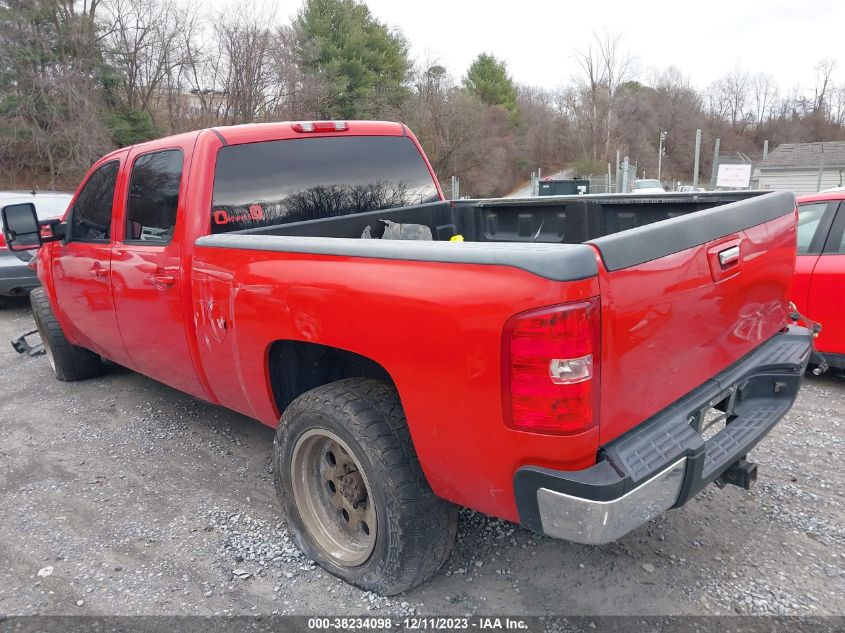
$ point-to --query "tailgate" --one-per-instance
(685, 298)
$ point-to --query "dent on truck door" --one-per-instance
(82, 268)
(146, 265)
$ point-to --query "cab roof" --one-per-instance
(253, 132)
(822, 196)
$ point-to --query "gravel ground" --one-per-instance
(122, 496)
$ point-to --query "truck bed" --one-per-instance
(547, 219)
(626, 229)
(671, 316)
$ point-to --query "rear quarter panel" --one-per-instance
(435, 327)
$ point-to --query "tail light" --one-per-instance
(550, 365)
(320, 126)
(2, 241)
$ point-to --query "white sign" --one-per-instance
(734, 176)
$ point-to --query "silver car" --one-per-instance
(16, 277)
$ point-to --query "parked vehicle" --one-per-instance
(819, 290)
(648, 185)
(16, 278)
(575, 364)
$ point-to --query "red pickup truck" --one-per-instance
(574, 364)
(819, 290)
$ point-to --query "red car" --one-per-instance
(575, 364)
(819, 290)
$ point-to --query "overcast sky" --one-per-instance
(785, 38)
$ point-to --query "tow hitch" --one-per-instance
(22, 346)
(741, 473)
(816, 359)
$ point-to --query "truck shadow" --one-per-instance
(14, 304)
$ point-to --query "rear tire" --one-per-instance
(356, 498)
(69, 362)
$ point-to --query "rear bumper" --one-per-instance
(15, 276)
(665, 461)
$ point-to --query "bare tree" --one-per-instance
(147, 46)
(199, 97)
(824, 72)
(604, 67)
(49, 54)
(728, 97)
(764, 93)
(294, 93)
(244, 38)
(836, 106)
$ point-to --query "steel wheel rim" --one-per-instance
(333, 497)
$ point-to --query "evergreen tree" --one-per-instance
(362, 63)
(488, 79)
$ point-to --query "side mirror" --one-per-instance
(20, 227)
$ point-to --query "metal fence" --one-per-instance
(601, 184)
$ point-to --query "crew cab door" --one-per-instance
(81, 266)
(147, 270)
(814, 221)
(826, 297)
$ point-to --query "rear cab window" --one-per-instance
(278, 182)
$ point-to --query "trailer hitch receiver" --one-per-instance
(741, 473)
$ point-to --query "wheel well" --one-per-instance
(296, 367)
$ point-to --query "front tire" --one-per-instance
(350, 482)
(69, 362)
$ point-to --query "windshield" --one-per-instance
(277, 182)
(648, 184)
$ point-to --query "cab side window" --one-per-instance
(154, 197)
(91, 214)
(837, 233)
(809, 218)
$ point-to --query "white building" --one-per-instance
(804, 167)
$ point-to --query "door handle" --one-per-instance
(97, 271)
(162, 280)
(729, 255)
(725, 258)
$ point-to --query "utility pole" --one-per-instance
(697, 159)
(714, 173)
(618, 173)
(660, 153)
(625, 175)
